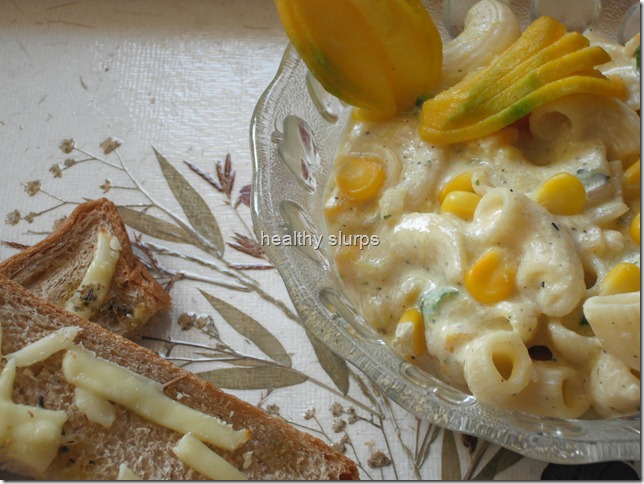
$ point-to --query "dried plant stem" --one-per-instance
(91, 157)
(253, 267)
(185, 275)
(247, 282)
(349, 442)
(310, 429)
(57, 198)
(119, 187)
(54, 207)
(405, 447)
(264, 362)
(476, 459)
(241, 219)
(425, 445)
(385, 399)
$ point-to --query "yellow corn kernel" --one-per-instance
(563, 194)
(462, 204)
(623, 278)
(634, 229)
(413, 315)
(360, 177)
(632, 184)
(491, 279)
(462, 183)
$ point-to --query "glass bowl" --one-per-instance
(295, 130)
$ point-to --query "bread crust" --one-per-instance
(275, 450)
(54, 267)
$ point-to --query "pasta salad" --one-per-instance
(507, 259)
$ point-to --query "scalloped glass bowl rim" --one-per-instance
(548, 439)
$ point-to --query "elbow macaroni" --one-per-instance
(504, 243)
(490, 27)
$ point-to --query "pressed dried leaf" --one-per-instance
(154, 226)
(450, 462)
(333, 365)
(502, 460)
(251, 329)
(469, 441)
(197, 211)
(253, 378)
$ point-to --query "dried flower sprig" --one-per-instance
(247, 245)
(14, 245)
(224, 183)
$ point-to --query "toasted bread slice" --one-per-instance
(54, 268)
(275, 450)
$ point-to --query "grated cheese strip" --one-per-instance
(208, 463)
(145, 398)
(30, 435)
(125, 474)
(94, 288)
(42, 349)
(95, 408)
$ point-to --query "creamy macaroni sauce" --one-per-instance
(525, 306)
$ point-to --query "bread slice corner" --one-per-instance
(54, 267)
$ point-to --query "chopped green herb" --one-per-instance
(431, 300)
(638, 59)
(421, 99)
